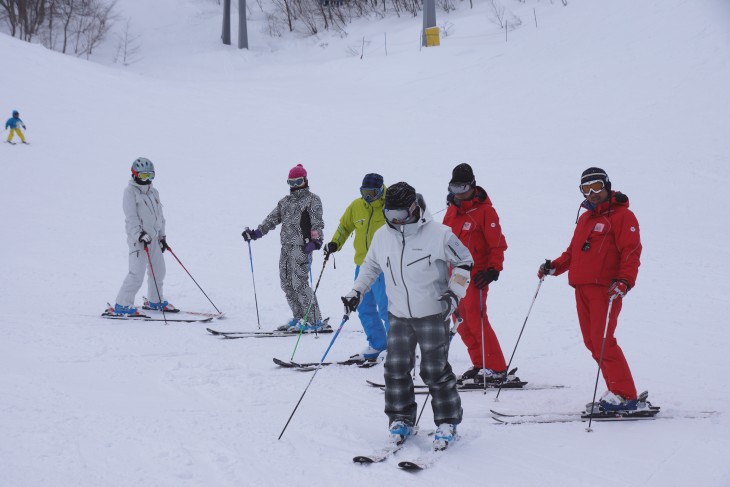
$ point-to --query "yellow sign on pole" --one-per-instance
(432, 37)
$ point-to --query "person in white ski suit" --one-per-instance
(415, 253)
(145, 225)
(300, 216)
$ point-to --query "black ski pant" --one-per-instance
(431, 333)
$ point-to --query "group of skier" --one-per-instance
(414, 277)
(13, 124)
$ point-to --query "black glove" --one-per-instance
(351, 300)
(452, 303)
(329, 248)
(144, 238)
(249, 234)
(546, 269)
(482, 279)
(163, 244)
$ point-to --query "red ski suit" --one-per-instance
(605, 247)
(476, 224)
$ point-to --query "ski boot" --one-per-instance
(163, 306)
(444, 436)
(400, 431)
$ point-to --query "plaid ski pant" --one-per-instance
(432, 334)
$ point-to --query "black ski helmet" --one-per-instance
(400, 195)
(595, 174)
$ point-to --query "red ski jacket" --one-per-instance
(605, 246)
(476, 224)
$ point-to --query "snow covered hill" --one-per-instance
(638, 88)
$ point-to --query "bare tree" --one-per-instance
(128, 47)
(496, 13)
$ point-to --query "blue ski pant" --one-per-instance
(373, 313)
(431, 333)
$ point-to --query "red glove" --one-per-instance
(618, 289)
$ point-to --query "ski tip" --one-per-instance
(362, 459)
(410, 466)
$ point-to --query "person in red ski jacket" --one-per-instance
(602, 262)
(472, 218)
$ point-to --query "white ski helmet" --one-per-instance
(143, 165)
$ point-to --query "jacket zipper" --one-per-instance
(387, 263)
(419, 260)
(402, 254)
(367, 229)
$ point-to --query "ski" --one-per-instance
(379, 455)
(421, 463)
(384, 453)
(262, 334)
(521, 386)
(110, 314)
(11, 143)
(363, 364)
(649, 413)
(114, 316)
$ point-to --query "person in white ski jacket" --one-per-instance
(145, 226)
(416, 253)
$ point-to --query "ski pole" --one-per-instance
(253, 278)
(157, 288)
(452, 332)
(319, 366)
(191, 277)
(309, 308)
(600, 362)
(484, 351)
(520, 336)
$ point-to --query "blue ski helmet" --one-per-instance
(16, 113)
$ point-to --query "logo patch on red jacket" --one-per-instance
(467, 226)
(599, 227)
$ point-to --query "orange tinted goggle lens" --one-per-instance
(594, 187)
(144, 176)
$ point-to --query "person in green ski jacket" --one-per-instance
(364, 216)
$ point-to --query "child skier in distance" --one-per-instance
(14, 123)
(300, 216)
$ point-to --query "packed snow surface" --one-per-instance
(638, 88)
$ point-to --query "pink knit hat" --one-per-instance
(297, 171)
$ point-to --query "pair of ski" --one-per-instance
(569, 417)
(232, 335)
(424, 461)
(15, 143)
(196, 316)
(309, 366)
(471, 386)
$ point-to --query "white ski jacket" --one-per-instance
(415, 259)
(142, 211)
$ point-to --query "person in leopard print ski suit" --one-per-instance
(300, 216)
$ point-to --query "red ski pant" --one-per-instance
(592, 303)
(471, 332)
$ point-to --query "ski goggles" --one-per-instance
(371, 194)
(458, 188)
(399, 216)
(295, 182)
(144, 176)
(592, 187)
